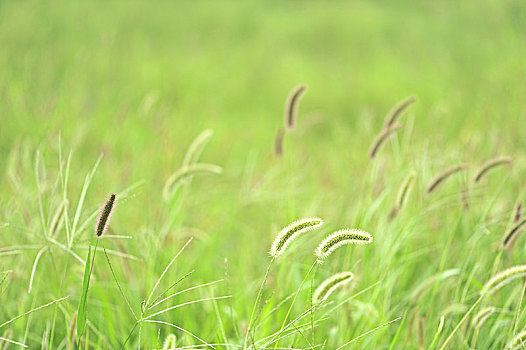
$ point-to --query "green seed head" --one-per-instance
(328, 286)
(292, 231)
(340, 238)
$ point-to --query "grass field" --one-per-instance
(101, 97)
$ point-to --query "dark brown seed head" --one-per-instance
(291, 106)
(103, 219)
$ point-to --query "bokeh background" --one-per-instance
(138, 81)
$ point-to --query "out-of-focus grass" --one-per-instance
(139, 81)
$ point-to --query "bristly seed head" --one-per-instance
(290, 232)
(291, 106)
(328, 286)
(502, 278)
(103, 219)
(340, 238)
(169, 342)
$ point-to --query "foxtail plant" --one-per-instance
(403, 193)
(169, 342)
(481, 316)
(511, 235)
(517, 342)
(440, 178)
(278, 143)
(289, 233)
(103, 220)
(176, 179)
(381, 138)
(325, 289)
(502, 278)
(517, 212)
(101, 225)
(292, 104)
(398, 110)
(490, 164)
(281, 242)
(338, 239)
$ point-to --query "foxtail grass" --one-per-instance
(381, 138)
(517, 342)
(503, 278)
(278, 142)
(440, 178)
(338, 239)
(169, 342)
(511, 235)
(292, 104)
(103, 220)
(175, 180)
(403, 194)
(490, 164)
(289, 233)
(397, 111)
(480, 317)
(327, 287)
(517, 212)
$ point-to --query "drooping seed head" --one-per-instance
(490, 164)
(287, 234)
(481, 316)
(517, 342)
(291, 106)
(403, 193)
(511, 235)
(340, 238)
(328, 286)
(177, 179)
(381, 138)
(440, 178)
(398, 110)
(169, 342)
(502, 278)
(103, 219)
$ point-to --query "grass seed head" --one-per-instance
(328, 286)
(502, 278)
(103, 219)
(517, 212)
(291, 106)
(490, 164)
(278, 143)
(292, 231)
(481, 316)
(440, 178)
(340, 238)
(381, 138)
(397, 111)
(511, 235)
(169, 342)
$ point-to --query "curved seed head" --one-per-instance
(481, 316)
(340, 238)
(502, 278)
(291, 106)
(328, 286)
(292, 231)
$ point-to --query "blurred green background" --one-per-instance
(137, 81)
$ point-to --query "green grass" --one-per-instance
(137, 82)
